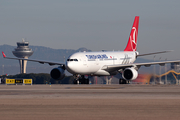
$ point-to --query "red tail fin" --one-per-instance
(132, 43)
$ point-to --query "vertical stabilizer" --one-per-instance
(132, 43)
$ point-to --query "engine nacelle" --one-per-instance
(57, 73)
(130, 74)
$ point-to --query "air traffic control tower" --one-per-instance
(22, 51)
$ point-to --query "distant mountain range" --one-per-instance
(42, 53)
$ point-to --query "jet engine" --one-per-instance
(130, 74)
(57, 73)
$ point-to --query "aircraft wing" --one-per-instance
(123, 66)
(34, 60)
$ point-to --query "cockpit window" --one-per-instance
(72, 59)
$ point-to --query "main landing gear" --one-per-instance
(80, 79)
(122, 81)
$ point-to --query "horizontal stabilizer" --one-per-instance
(154, 53)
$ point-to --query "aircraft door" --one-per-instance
(116, 60)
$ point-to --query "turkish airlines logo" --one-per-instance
(133, 37)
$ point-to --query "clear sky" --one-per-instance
(94, 24)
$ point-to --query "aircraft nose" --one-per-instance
(70, 67)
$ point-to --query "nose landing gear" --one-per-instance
(80, 79)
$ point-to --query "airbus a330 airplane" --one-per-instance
(103, 63)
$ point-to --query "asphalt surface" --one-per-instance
(87, 102)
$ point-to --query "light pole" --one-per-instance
(160, 71)
(166, 71)
(154, 70)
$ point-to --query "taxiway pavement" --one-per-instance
(87, 102)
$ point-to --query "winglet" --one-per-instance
(3, 54)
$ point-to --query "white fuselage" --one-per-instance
(91, 63)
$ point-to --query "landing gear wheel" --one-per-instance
(84, 81)
(78, 79)
(74, 81)
(122, 81)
